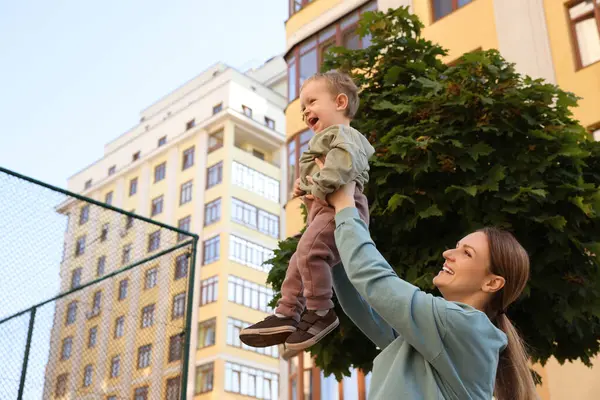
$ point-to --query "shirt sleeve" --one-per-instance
(363, 316)
(418, 317)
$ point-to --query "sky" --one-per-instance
(73, 76)
(76, 74)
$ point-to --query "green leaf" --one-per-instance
(396, 201)
(432, 211)
(470, 190)
(480, 149)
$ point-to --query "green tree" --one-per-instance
(460, 147)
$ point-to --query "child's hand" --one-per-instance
(297, 191)
(320, 164)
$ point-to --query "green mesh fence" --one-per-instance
(94, 301)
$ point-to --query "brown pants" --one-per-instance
(308, 280)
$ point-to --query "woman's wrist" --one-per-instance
(346, 203)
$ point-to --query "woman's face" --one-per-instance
(466, 269)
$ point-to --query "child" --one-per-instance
(329, 102)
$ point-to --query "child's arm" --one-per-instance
(344, 162)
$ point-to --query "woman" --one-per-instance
(462, 346)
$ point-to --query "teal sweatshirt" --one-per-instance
(430, 348)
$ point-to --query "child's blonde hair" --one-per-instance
(339, 83)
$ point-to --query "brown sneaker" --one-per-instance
(311, 329)
(268, 332)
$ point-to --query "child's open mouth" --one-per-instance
(312, 121)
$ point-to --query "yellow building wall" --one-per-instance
(308, 14)
(585, 82)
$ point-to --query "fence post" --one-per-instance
(188, 322)
(26, 355)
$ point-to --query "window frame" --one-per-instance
(455, 6)
(593, 14)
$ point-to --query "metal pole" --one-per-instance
(26, 356)
(188, 322)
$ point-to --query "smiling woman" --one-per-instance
(460, 346)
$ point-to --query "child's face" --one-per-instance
(320, 108)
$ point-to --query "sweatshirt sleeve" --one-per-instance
(418, 317)
(344, 162)
(363, 316)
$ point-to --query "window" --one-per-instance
(136, 156)
(214, 175)
(176, 347)
(126, 256)
(184, 225)
(218, 108)
(584, 17)
(173, 387)
(76, 278)
(115, 366)
(270, 123)
(190, 124)
(207, 333)
(305, 59)
(153, 241)
(204, 378)
(255, 218)
(141, 393)
(88, 371)
(247, 111)
(104, 233)
(112, 170)
(295, 147)
(92, 337)
(147, 316)
(159, 172)
(297, 5)
(144, 355)
(96, 304)
(112, 397)
(249, 254)
(188, 158)
(162, 141)
(185, 195)
(67, 346)
(101, 266)
(133, 186)
(178, 306)
(256, 182)
(211, 250)
(151, 278)
(61, 385)
(80, 246)
(596, 133)
(251, 382)
(119, 327)
(212, 212)
(88, 184)
(249, 294)
(129, 221)
(108, 198)
(441, 8)
(234, 327)
(71, 313)
(157, 206)
(208, 290)
(123, 289)
(215, 141)
(181, 266)
(258, 154)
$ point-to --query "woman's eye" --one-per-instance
(467, 253)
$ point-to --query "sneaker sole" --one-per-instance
(257, 340)
(314, 340)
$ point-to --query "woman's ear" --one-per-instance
(493, 284)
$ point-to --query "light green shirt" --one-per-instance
(347, 154)
(431, 348)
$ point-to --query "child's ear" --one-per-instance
(341, 102)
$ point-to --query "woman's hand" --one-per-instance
(341, 198)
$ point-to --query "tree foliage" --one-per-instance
(463, 146)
